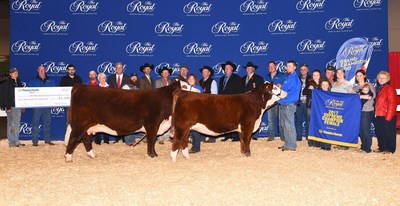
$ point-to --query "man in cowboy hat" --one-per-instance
(209, 86)
(165, 73)
(147, 82)
(230, 84)
(251, 81)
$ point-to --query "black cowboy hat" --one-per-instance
(208, 68)
(250, 64)
(146, 65)
(165, 68)
(229, 63)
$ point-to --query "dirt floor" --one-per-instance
(218, 175)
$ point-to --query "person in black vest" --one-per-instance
(209, 86)
(250, 82)
(230, 84)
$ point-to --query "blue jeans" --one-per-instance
(46, 117)
(130, 139)
(286, 121)
(272, 119)
(13, 126)
(301, 117)
(196, 140)
(365, 130)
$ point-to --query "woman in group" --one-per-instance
(102, 79)
(342, 86)
(367, 112)
(311, 84)
(325, 85)
(196, 136)
(385, 114)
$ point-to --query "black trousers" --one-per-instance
(386, 133)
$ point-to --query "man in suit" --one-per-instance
(147, 82)
(116, 81)
(251, 81)
(230, 84)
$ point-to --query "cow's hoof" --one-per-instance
(247, 154)
(91, 154)
(152, 155)
(185, 153)
(173, 155)
(68, 158)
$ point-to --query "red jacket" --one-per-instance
(386, 103)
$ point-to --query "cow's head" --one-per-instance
(270, 95)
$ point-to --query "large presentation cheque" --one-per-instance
(30, 97)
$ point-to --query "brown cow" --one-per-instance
(117, 112)
(218, 114)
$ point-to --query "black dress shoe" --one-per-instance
(50, 143)
(192, 151)
(35, 144)
(281, 147)
(21, 145)
(225, 139)
(254, 138)
(235, 140)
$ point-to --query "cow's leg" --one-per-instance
(245, 138)
(184, 144)
(176, 143)
(87, 142)
(151, 142)
(72, 144)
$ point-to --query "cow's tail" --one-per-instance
(141, 139)
(174, 99)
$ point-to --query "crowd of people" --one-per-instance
(378, 102)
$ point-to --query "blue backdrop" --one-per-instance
(95, 34)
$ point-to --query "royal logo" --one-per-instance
(332, 63)
(339, 24)
(366, 3)
(82, 47)
(263, 127)
(253, 47)
(225, 28)
(197, 8)
(26, 128)
(55, 68)
(280, 66)
(25, 47)
(140, 48)
(168, 28)
(174, 67)
(53, 26)
(108, 68)
(309, 45)
(310, 5)
(25, 5)
(253, 6)
(111, 27)
(354, 50)
(57, 110)
(375, 41)
(219, 71)
(334, 103)
(140, 7)
(281, 26)
(84, 6)
(196, 48)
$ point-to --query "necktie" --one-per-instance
(225, 81)
(247, 79)
(119, 82)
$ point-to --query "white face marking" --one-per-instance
(185, 153)
(173, 155)
(203, 129)
(185, 86)
(101, 128)
(91, 154)
(164, 126)
(68, 157)
(67, 134)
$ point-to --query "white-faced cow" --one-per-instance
(218, 114)
(118, 112)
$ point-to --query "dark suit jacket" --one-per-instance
(112, 80)
(144, 83)
(255, 81)
(233, 86)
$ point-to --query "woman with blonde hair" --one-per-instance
(385, 114)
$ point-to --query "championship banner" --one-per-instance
(335, 118)
(353, 55)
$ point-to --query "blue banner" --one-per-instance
(353, 55)
(95, 34)
(335, 118)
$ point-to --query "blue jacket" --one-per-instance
(278, 78)
(291, 85)
(38, 82)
